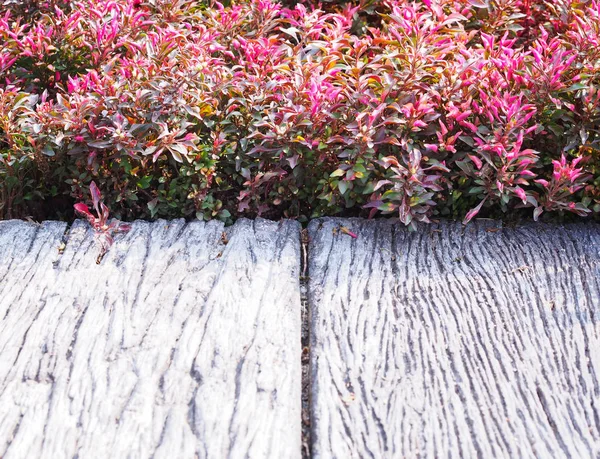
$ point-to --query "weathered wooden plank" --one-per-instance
(183, 342)
(454, 342)
(27, 254)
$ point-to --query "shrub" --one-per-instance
(201, 109)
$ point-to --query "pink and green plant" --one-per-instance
(104, 229)
(207, 109)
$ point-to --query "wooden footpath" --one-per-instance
(185, 341)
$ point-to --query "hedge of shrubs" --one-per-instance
(201, 109)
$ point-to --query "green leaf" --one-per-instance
(515, 28)
(48, 151)
(468, 140)
(387, 207)
(126, 165)
(369, 188)
(224, 215)
(343, 186)
(359, 168)
(152, 206)
(144, 182)
(577, 87)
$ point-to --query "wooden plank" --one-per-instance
(454, 342)
(183, 342)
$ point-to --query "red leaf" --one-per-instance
(81, 208)
(345, 230)
(473, 212)
(375, 204)
(477, 161)
(96, 196)
(123, 228)
(104, 215)
(84, 211)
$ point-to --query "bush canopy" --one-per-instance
(201, 109)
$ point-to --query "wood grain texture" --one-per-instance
(177, 345)
(454, 342)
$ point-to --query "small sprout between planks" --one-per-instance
(304, 239)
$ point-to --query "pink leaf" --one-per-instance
(104, 215)
(520, 192)
(123, 228)
(473, 212)
(345, 230)
(478, 3)
(373, 204)
(477, 161)
(82, 209)
(96, 196)
(381, 183)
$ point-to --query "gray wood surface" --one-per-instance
(177, 345)
(454, 342)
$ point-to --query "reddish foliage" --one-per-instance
(104, 229)
(176, 108)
